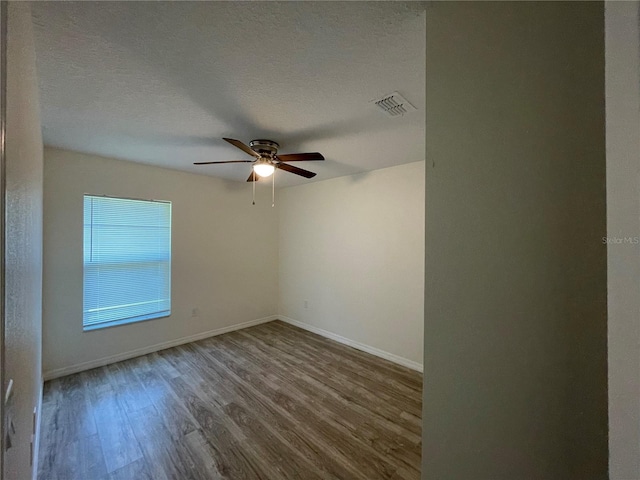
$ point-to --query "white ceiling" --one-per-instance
(162, 82)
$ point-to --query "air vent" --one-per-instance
(394, 105)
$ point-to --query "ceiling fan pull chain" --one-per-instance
(253, 174)
(273, 189)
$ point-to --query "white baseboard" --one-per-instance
(36, 436)
(61, 372)
(352, 343)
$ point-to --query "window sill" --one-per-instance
(126, 321)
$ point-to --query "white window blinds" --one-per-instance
(127, 260)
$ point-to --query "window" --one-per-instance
(127, 261)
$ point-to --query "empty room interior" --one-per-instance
(310, 240)
(197, 323)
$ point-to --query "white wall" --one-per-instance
(23, 290)
(623, 221)
(353, 248)
(515, 306)
(224, 256)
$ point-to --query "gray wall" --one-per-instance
(23, 238)
(623, 222)
(515, 303)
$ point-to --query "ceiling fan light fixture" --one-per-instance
(266, 161)
(263, 168)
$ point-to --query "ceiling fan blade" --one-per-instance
(253, 177)
(228, 161)
(299, 157)
(298, 171)
(241, 146)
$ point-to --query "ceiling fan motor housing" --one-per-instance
(264, 147)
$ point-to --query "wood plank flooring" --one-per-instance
(269, 402)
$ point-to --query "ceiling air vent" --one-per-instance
(394, 105)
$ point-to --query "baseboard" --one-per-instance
(61, 372)
(352, 343)
(36, 435)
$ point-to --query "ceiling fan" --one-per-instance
(266, 159)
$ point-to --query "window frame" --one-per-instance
(138, 318)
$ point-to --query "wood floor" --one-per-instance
(269, 402)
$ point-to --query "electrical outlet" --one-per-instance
(195, 312)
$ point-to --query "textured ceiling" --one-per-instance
(162, 82)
